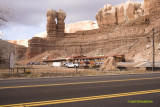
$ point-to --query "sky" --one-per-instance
(28, 17)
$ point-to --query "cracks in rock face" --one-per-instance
(133, 45)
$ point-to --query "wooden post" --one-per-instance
(17, 70)
(24, 70)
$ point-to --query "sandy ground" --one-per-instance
(42, 71)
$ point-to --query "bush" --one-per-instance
(28, 72)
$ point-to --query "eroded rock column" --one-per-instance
(106, 16)
(147, 6)
(51, 23)
(112, 15)
(60, 23)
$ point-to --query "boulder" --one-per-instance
(109, 65)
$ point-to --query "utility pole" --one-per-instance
(153, 64)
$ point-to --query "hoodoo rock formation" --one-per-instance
(147, 6)
(110, 15)
(54, 29)
(74, 27)
(60, 24)
(129, 33)
(51, 23)
(107, 16)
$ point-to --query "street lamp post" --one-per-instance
(153, 64)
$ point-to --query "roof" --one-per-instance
(76, 56)
(97, 57)
(148, 64)
(126, 64)
(92, 57)
(80, 57)
(54, 60)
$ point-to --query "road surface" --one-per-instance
(136, 90)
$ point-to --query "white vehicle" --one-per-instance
(72, 65)
(57, 64)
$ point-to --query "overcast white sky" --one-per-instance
(29, 16)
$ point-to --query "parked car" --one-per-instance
(44, 63)
(33, 63)
(65, 64)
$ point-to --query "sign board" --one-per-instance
(11, 61)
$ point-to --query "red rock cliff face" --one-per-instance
(20, 42)
(112, 15)
(124, 32)
(81, 26)
(155, 9)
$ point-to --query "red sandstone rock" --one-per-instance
(51, 23)
(109, 65)
(60, 23)
(81, 26)
(41, 35)
(106, 16)
(109, 15)
(147, 6)
(19, 42)
(120, 13)
(126, 38)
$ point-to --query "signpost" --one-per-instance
(11, 63)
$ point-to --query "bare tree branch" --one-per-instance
(5, 16)
(3, 19)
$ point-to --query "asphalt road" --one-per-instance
(138, 90)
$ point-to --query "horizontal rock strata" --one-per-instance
(128, 23)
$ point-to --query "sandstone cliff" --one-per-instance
(81, 26)
(123, 13)
(74, 27)
(41, 35)
(20, 42)
(130, 27)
